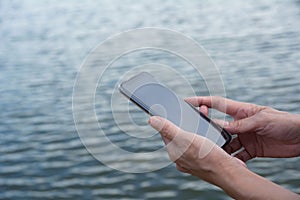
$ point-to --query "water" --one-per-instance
(255, 45)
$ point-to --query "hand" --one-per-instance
(193, 153)
(200, 157)
(262, 131)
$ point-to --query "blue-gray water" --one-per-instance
(255, 44)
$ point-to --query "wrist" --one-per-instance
(240, 183)
(221, 171)
(295, 130)
(230, 178)
(296, 121)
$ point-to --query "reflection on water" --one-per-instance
(255, 45)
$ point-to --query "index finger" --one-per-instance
(222, 104)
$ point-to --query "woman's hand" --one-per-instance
(262, 131)
(193, 153)
(200, 157)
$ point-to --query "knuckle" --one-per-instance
(167, 128)
(216, 100)
(258, 109)
(237, 126)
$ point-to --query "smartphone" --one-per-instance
(156, 99)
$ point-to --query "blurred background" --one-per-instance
(255, 44)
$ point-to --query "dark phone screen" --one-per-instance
(156, 99)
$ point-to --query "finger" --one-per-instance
(233, 146)
(243, 155)
(221, 122)
(241, 126)
(178, 140)
(165, 127)
(204, 110)
(166, 140)
(222, 104)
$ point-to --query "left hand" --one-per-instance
(193, 153)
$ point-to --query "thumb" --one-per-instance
(176, 142)
(241, 126)
(166, 128)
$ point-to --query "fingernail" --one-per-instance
(155, 122)
(226, 124)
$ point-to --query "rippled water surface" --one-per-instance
(256, 46)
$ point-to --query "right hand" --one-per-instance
(262, 131)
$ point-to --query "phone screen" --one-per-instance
(156, 99)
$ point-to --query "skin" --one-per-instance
(262, 131)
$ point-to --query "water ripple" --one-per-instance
(255, 45)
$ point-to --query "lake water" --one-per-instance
(256, 46)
